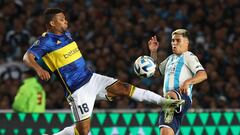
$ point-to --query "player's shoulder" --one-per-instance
(188, 54)
(42, 39)
(45, 37)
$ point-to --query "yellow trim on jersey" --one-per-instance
(63, 56)
(70, 93)
(132, 90)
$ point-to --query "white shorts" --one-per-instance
(83, 99)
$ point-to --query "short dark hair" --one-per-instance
(49, 13)
(182, 32)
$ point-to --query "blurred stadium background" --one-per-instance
(111, 35)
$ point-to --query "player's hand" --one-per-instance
(153, 44)
(43, 74)
(184, 88)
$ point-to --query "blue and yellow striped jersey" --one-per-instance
(62, 56)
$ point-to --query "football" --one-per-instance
(144, 66)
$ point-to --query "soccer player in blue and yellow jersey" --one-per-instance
(62, 56)
(181, 71)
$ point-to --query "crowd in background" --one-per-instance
(112, 34)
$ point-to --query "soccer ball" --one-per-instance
(144, 66)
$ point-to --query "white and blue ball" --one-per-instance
(144, 66)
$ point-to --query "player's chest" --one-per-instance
(58, 43)
(174, 65)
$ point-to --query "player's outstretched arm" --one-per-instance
(29, 60)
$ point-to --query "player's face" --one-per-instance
(179, 44)
(59, 23)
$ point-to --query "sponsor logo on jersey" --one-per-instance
(70, 53)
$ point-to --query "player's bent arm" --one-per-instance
(29, 60)
(199, 77)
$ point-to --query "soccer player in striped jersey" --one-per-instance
(181, 71)
(82, 87)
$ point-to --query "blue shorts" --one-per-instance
(178, 115)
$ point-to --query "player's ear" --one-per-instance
(52, 23)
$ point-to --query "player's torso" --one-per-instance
(65, 59)
(60, 52)
(176, 72)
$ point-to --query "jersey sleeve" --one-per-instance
(162, 66)
(38, 49)
(192, 62)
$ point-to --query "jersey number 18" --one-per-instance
(84, 108)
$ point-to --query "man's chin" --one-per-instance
(65, 30)
(177, 53)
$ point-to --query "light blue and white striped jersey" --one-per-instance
(178, 68)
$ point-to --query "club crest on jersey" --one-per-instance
(36, 43)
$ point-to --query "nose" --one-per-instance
(65, 21)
